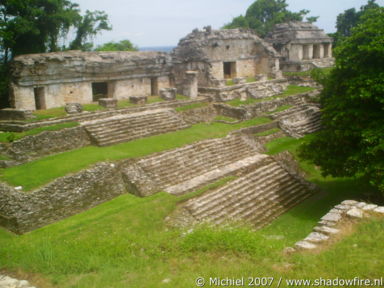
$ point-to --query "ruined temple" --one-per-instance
(302, 46)
(42, 81)
(224, 54)
(202, 61)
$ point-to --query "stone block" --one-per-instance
(138, 100)
(73, 108)
(316, 237)
(326, 230)
(304, 245)
(15, 114)
(239, 80)
(108, 102)
(168, 93)
(355, 213)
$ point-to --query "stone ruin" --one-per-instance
(203, 59)
(302, 46)
(198, 68)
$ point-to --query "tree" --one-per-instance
(352, 139)
(124, 45)
(349, 19)
(88, 26)
(263, 15)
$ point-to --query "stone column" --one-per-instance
(310, 51)
(321, 51)
(190, 87)
(328, 50)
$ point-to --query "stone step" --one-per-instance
(213, 175)
(123, 128)
(258, 197)
(240, 185)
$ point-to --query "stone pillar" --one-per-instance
(190, 87)
(310, 51)
(328, 50)
(111, 89)
(321, 51)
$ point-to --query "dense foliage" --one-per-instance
(352, 139)
(349, 19)
(262, 15)
(123, 45)
(37, 26)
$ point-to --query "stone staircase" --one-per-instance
(258, 197)
(123, 128)
(299, 120)
(186, 168)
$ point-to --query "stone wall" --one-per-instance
(21, 212)
(45, 143)
(198, 115)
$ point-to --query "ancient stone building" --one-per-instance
(42, 81)
(302, 45)
(223, 54)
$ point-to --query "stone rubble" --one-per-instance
(327, 226)
(8, 282)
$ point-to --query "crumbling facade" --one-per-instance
(42, 81)
(302, 45)
(203, 59)
(223, 54)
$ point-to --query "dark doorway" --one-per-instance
(229, 70)
(154, 86)
(99, 90)
(39, 98)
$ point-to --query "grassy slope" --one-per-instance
(41, 171)
(125, 243)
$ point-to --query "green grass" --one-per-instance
(280, 109)
(13, 136)
(225, 118)
(36, 173)
(306, 73)
(191, 106)
(229, 82)
(125, 243)
(251, 79)
(48, 113)
(291, 90)
(268, 132)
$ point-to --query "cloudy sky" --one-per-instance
(164, 22)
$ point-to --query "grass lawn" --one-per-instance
(125, 243)
(36, 173)
(291, 90)
(13, 136)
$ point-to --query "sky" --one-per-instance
(164, 22)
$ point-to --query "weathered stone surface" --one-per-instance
(108, 102)
(355, 213)
(326, 230)
(342, 207)
(168, 94)
(331, 217)
(198, 115)
(73, 108)
(240, 80)
(349, 202)
(316, 237)
(369, 207)
(361, 205)
(14, 114)
(328, 223)
(47, 142)
(21, 212)
(138, 100)
(304, 245)
(8, 282)
(379, 210)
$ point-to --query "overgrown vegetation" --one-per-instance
(268, 132)
(13, 136)
(262, 15)
(352, 141)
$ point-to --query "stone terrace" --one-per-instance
(258, 197)
(183, 169)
